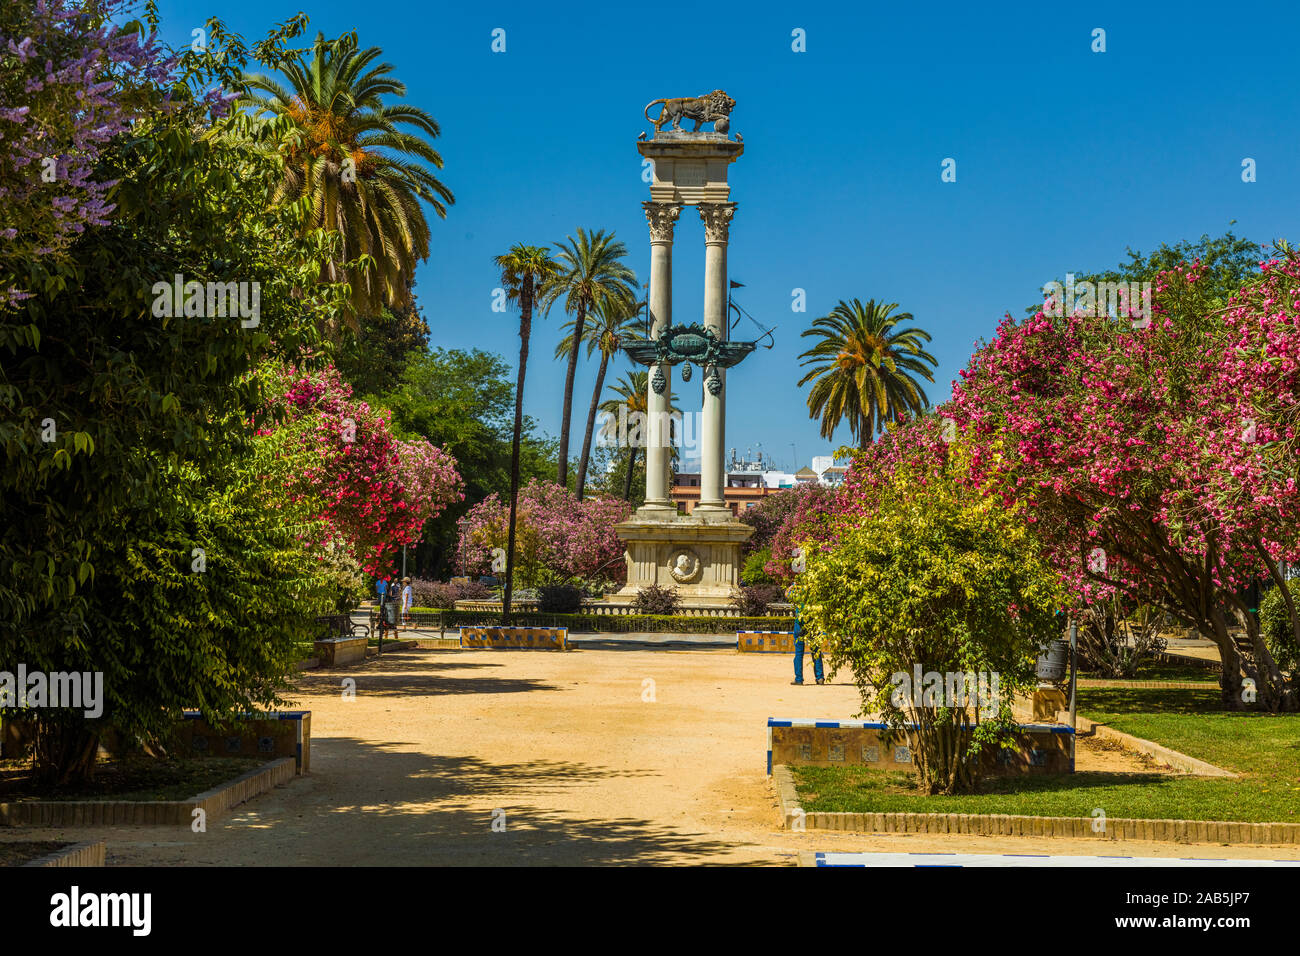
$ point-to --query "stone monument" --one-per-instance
(699, 554)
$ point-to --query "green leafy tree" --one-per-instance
(931, 579)
(629, 403)
(590, 276)
(1230, 262)
(864, 368)
(360, 173)
(463, 402)
(1275, 626)
(615, 326)
(373, 356)
(145, 536)
(615, 475)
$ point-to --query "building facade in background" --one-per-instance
(749, 480)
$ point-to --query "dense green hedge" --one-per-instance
(605, 623)
(1275, 625)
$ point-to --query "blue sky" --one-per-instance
(1064, 156)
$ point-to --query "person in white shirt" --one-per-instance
(407, 597)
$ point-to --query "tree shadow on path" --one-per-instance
(417, 677)
(368, 805)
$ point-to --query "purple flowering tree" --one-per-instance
(69, 82)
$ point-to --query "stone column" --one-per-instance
(717, 221)
(661, 216)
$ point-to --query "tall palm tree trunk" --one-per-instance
(578, 322)
(591, 424)
(627, 480)
(525, 329)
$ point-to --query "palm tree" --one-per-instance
(349, 159)
(630, 392)
(862, 368)
(525, 271)
(615, 325)
(591, 274)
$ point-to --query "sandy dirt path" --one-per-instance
(585, 769)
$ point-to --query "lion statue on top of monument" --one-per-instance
(712, 108)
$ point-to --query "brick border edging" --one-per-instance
(997, 824)
(79, 854)
(92, 813)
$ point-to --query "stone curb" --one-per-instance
(997, 824)
(437, 644)
(1085, 727)
(79, 854)
(787, 796)
(1165, 755)
(1173, 657)
(92, 813)
(396, 644)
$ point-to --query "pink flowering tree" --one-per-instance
(557, 536)
(372, 491)
(1139, 455)
(805, 525)
(1247, 482)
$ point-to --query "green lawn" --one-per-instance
(1265, 749)
(1160, 670)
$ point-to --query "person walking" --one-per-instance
(408, 596)
(798, 650)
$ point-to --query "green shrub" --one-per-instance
(559, 599)
(753, 573)
(1275, 628)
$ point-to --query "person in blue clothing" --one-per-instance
(381, 586)
(798, 649)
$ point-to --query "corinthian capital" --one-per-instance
(661, 216)
(717, 220)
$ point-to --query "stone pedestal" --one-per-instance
(701, 559)
(1047, 703)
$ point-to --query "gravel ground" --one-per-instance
(585, 757)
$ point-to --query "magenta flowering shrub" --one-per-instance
(69, 82)
(372, 491)
(556, 536)
(1155, 463)
(1248, 438)
(917, 447)
(807, 524)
